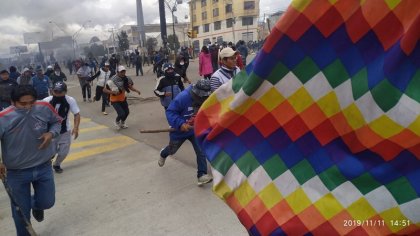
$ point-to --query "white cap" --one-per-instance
(227, 52)
(25, 69)
(120, 68)
(49, 67)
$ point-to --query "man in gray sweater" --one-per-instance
(26, 130)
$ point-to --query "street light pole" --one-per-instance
(75, 35)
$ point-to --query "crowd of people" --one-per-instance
(35, 102)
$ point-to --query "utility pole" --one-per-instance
(163, 33)
(140, 23)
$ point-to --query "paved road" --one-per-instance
(112, 185)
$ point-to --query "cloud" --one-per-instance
(20, 16)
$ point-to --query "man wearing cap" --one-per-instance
(6, 87)
(58, 75)
(84, 73)
(25, 78)
(227, 70)
(168, 86)
(180, 115)
(41, 83)
(103, 76)
(117, 86)
(64, 104)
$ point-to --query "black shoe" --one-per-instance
(58, 169)
(38, 215)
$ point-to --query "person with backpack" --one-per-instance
(103, 75)
(117, 87)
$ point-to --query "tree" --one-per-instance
(171, 44)
(151, 44)
(123, 42)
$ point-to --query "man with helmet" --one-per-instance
(169, 85)
(180, 115)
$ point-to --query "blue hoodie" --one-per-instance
(179, 111)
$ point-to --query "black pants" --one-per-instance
(100, 94)
(122, 110)
(139, 67)
(86, 88)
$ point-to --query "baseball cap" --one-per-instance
(4, 71)
(60, 87)
(227, 52)
(202, 88)
(121, 68)
(49, 67)
(106, 64)
(38, 68)
(25, 69)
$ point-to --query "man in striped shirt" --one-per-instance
(228, 69)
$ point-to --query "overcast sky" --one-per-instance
(20, 16)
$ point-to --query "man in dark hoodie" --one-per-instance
(6, 87)
(14, 74)
(168, 86)
(58, 75)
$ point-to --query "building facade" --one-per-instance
(224, 21)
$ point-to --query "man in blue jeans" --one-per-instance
(26, 130)
(180, 115)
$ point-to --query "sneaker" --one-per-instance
(84, 99)
(123, 125)
(58, 169)
(162, 160)
(117, 125)
(38, 215)
(104, 113)
(204, 179)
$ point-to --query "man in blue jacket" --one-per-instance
(42, 84)
(180, 115)
(168, 86)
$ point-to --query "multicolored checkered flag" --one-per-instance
(321, 133)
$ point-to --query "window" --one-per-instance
(247, 21)
(206, 28)
(206, 42)
(217, 25)
(229, 23)
(228, 8)
(249, 5)
(194, 5)
(194, 18)
(249, 36)
(204, 15)
(215, 1)
(203, 3)
(195, 28)
(220, 40)
(215, 12)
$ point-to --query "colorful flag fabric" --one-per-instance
(321, 134)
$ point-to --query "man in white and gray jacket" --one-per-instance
(227, 70)
(103, 76)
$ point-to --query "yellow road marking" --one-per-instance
(80, 144)
(85, 120)
(99, 127)
(98, 150)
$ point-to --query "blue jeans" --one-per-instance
(174, 145)
(42, 179)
